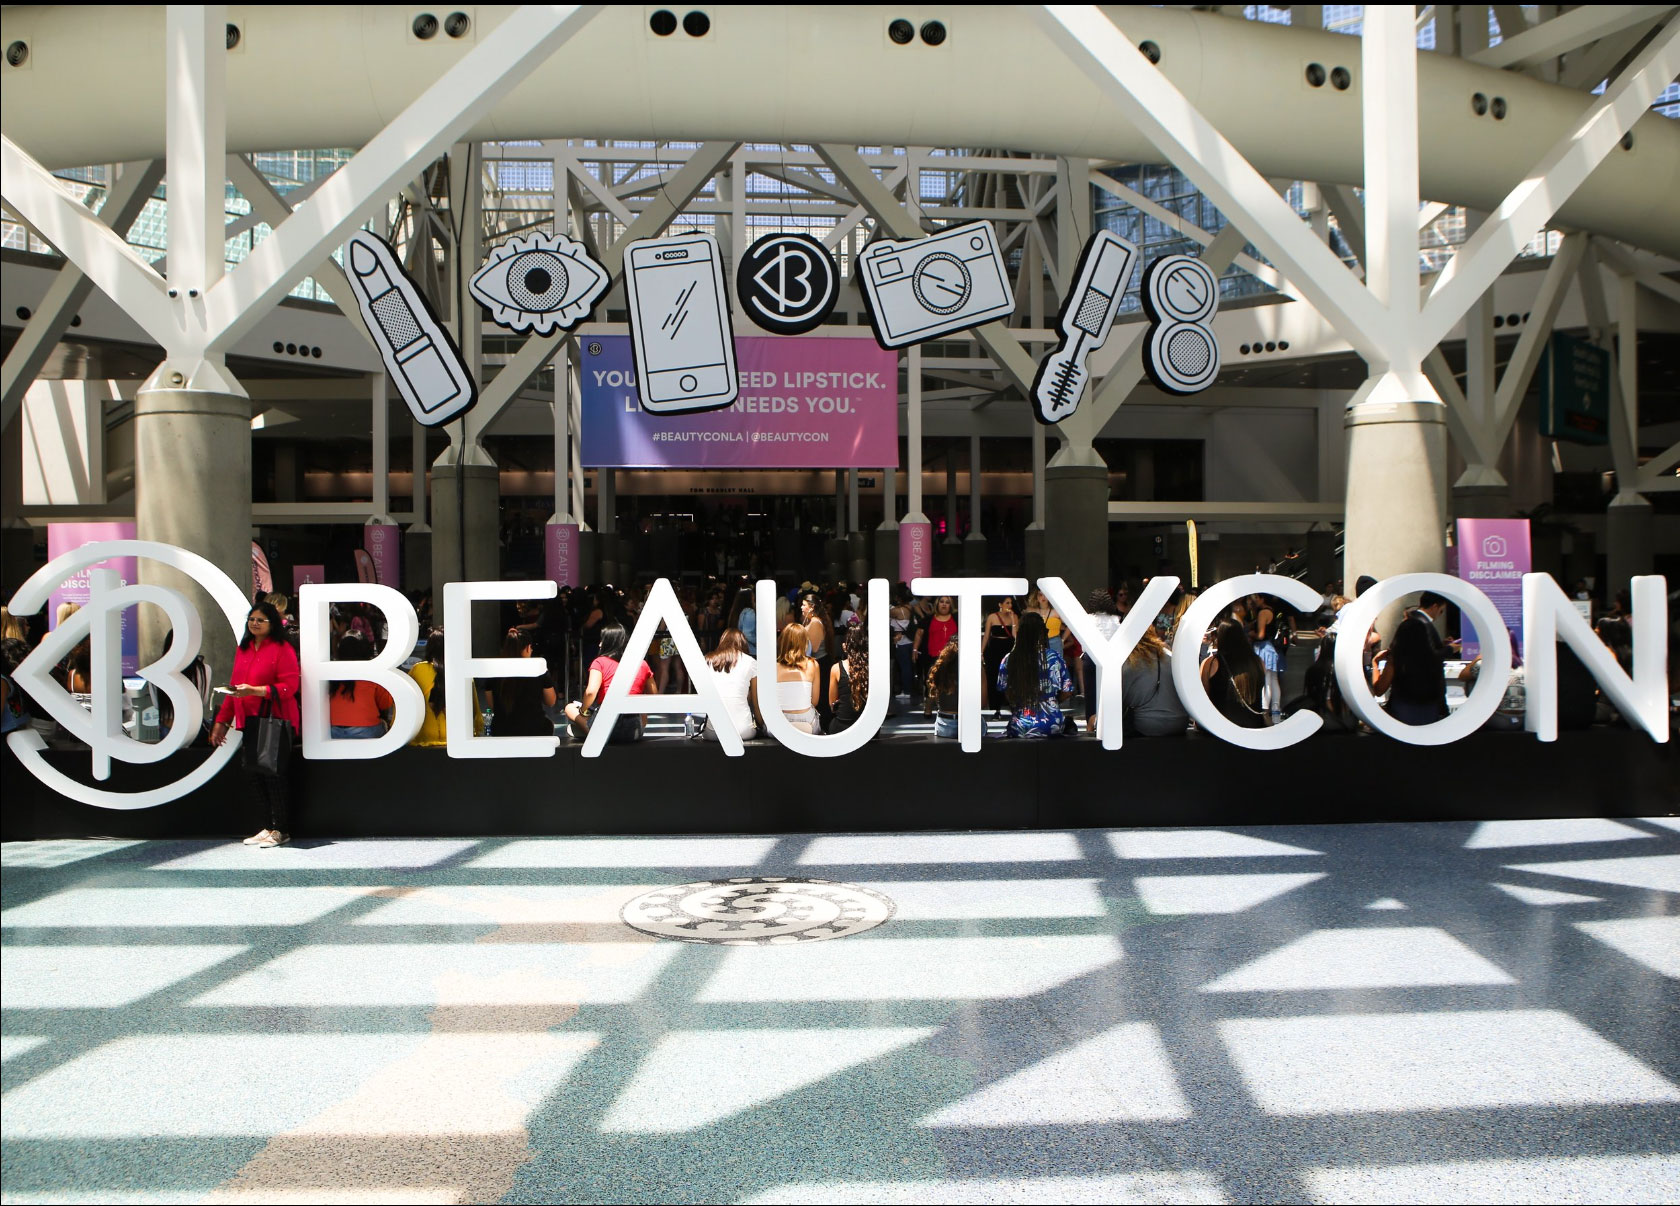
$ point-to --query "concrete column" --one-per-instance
(1076, 524)
(1481, 492)
(857, 541)
(417, 541)
(467, 497)
(606, 523)
(17, 537)
(835, 549)
(974, 544)
(1628, 528)
(1034, 536)
(1396, 505)
(192, 488)
(950, 549)
(885, 537)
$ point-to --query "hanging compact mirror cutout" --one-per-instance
(1181, 296)
(538, 283)
(422, 360)
(1105, 266)
(787, 283)
(919, 289)
(679, 324)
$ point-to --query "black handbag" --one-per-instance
(267, 743)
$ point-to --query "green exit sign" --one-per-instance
(1575, 391)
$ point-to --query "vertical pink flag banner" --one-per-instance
(562, 546)
(1493, 556)
(311, 574)
(261, 576)
(383, 544)
(915, 550)
(67, 538)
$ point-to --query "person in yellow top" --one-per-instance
(429, 674)
(1039, 605)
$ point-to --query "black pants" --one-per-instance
(272, 795)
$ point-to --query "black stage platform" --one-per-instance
(894, 784)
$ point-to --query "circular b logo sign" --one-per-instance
(788, 283)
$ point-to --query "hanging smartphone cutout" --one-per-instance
(1105, 267)
(788, 283)
(1181, 296)
(423, 362)
(920, 289)
(679, 325)
(538, 283)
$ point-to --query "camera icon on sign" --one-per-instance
(922, 288)
(1493, 546)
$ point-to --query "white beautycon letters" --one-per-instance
(1548, 616)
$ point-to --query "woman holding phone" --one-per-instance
(264, 682)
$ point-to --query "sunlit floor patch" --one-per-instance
(1653, 941)
(1586, 1179)
(1666, 822)
(1391, 1063)
(978, 899)
(897, 848)
(1660, 872)
(1193, 1187)
(14, 1045)
(628, 852)
(1386, 904)
(1544, 896)
(1177, 895)
(564, 905)
(100, 977)
(1196, 843)
(1367, 957)
(1498, 835)
(399, 974)
(695, 1078)
(361, 854)
(1123, 1075)
(127, 908)
(58, 853)
(907, 969)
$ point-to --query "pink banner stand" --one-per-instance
(563, 547)
(915, 551)
(383, 543)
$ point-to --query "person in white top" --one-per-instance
(796, 679)
(737, 682)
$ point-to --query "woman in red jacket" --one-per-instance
(265, 674)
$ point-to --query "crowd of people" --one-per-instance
(1036, 676)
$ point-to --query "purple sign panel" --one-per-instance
(67, 538)
(1493, 556)
(563, 549)
(383, 544)
(307, 575)
(814, 402)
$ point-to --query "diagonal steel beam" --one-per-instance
(36, 196)
(538, 350)
(70, 288)
(434, 121)
(268, 205)
(1571, 31)
(1154, 105)
(1537, 331)
(877, 198)
(1554, 179)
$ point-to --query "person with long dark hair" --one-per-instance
(1033, 679)
(1000, 630)
(1323, 693)
(941, 693)
(429, 673)
(848, 682)
(1412, 673)
(607, 666)
(357, 709)
(1234, 677)
(520, 703)
(264, 681)
(821, 641)
(737, 682)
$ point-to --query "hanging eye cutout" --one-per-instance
(539, 282)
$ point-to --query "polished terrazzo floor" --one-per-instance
(1446, 1012)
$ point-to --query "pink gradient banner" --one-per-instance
(563, 545)
(67, 538)
(807, 402)
(1493, 556)
(383, 543)
(915, 551)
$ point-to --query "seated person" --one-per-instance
(428, 672)
(941, 694)
(737, 682)
(602, 671)
(1149, 694)
(357, 709)
(1033, 679)
(796, 678)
